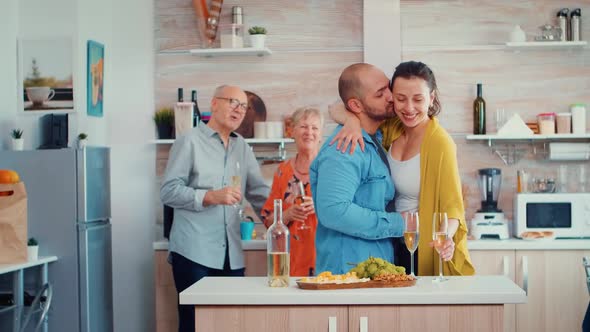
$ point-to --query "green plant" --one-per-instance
(32, 242)
(256, 30)
(164, 115)
(82, 136)
(16, 133)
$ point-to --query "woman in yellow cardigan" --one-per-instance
(423, 163)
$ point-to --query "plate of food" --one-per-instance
(372, 273)
(537, 236)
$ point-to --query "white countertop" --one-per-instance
(510, 244)
(254, 291)
(5, 268)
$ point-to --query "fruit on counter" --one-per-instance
(8, 176)
(373, 267)
(327, 277)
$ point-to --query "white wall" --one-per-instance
(126, 29)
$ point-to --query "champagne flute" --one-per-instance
(440, 226)
(236, 181)
(299, 193)
(411, 236)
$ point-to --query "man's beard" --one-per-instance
(377, 115)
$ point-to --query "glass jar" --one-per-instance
(564, 123)
(546, 122)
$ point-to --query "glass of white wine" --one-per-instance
(299, 193)
(411, 235)
(236, 181)
(440, 228)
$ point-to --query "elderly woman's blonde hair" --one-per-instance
(304, 112)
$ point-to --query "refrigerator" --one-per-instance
(69, 213)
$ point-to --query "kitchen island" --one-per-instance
(248, 304)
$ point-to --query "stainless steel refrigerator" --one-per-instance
(69, 212)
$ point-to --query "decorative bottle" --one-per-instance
(196, 112)
(277, 250)
(479, 113)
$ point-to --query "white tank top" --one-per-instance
(406, 179)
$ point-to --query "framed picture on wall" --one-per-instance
(45, 70)
(95, 78)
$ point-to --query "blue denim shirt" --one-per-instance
(350, 193)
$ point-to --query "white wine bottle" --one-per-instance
(277, 250)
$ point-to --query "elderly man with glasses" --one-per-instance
(205, 237)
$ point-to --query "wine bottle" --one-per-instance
(277, 249)
(180, 95)
(479, 113)
(196, 112)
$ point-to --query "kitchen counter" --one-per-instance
(254, 291)
(248, 304)
(510, 244)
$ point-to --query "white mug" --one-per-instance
(40, 94)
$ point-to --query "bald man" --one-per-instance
(205, 237)
(351, 192)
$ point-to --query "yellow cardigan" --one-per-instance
(440, 190)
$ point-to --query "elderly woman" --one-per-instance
(289, 177)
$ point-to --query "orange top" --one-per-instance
(302, 241)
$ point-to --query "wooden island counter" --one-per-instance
(248, 304)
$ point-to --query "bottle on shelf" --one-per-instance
(563, 24)
(575, 24)
(180, 95)
(278, 259)
(183, 115)
(479, 113)
(196, 112)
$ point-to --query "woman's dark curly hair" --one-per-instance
(411, 69)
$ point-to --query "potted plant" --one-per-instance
(164, 119)
(82, 140)
(257, 36)
(17, 139)
(32, 249)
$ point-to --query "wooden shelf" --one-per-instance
(554, 137)
(546, 45)
(210, 52)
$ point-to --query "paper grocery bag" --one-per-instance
(13, 223)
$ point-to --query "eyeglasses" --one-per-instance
(234, 103)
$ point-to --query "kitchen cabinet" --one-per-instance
(166, 296)
(272, 318)
(557, 292)
(555, 281)
(498, 262)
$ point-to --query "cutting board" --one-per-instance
(368, 284)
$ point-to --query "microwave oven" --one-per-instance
(567, 215)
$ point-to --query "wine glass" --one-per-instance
(440, 226)
(299, 193)
(236, 181)
(411, 236)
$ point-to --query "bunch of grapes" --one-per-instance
(373, 267)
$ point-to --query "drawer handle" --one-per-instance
(505, 263)
(364, 324)
(525, 274)
(332, 324)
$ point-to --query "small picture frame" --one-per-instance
(95, 79)
(45, 75)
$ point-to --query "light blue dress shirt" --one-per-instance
(350, 193)
(199, 162)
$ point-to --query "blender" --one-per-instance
(489, 221)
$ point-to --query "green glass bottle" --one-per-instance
(479, 113)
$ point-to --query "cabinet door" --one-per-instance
(497, 262)
(272, 318)
(255, 261)
(440, 318)
(166, 297)
(557, 293)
